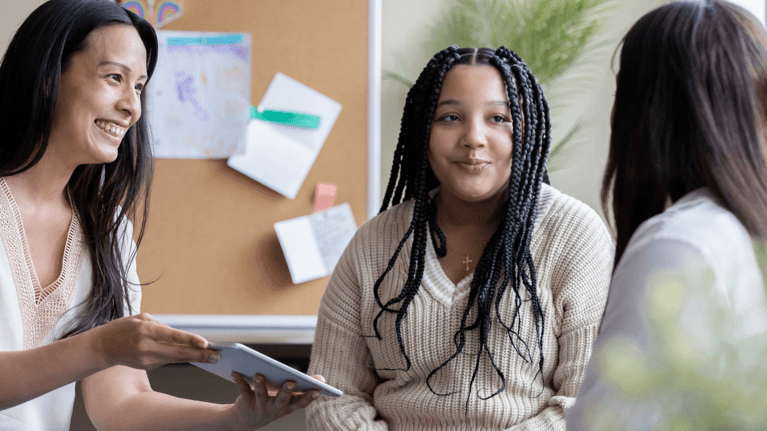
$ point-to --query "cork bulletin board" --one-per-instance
(210, 246)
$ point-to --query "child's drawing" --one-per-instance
(186, 94)
(199, 95)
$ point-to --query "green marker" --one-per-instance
(294, 119)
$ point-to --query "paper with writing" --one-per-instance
(314, 243)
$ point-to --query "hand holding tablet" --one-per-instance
(236, 357)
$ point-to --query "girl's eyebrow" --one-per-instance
(454, 102)
(451, 102)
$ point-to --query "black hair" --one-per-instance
(689, 112)
(103, 195)
(506, 260)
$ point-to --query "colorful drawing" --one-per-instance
(136, 7)
(186, 92)
(192, 116)
(158, 13)
(166, 12)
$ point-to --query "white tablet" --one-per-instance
(248, 362)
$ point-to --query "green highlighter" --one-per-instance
(295, 119)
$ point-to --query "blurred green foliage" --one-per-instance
(705, 372)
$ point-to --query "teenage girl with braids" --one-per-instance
(688, 130)
(473, 301)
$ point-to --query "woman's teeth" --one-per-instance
(111, 128)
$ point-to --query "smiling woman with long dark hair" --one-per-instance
(472, 302)
(75, 163)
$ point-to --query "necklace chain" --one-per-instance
(467, 256)
(467, 259)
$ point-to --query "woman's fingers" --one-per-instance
(318, 377)
(284, 395)
(256, 407)
(166, 334)
(261, 395)
(142, 342)
(175, 353)
(245, 390)
(303, 400)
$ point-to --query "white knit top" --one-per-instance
(573, 255)
(32, 315)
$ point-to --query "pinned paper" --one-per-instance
(324, 196)
(313, 244)
(279, 156)
(157, 13)
(199, 96)
(295, 119)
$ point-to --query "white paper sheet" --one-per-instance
(199, 95)
(280, 156)
(313, 244)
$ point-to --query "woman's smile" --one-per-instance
(113, 131)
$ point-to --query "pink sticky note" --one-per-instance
(324, 196)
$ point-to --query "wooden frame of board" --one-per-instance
(210, 252)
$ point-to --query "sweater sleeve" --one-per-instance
(583, 262)
(340, 354)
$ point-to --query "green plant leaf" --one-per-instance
(392, 76)
(565, 148)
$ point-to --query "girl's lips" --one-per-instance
(472, 165)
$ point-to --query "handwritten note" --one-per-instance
(279, 156)
(313, 244)
(199, 96)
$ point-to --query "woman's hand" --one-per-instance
(145, 343)
(258, 405)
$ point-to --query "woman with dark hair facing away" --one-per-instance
(75, 164)
(473, 301)
(688, 179)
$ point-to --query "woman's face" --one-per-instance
(470, 146)
(99, 97)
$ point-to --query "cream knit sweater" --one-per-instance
(573, 255)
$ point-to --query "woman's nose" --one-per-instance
(474, 134)
(130, 104)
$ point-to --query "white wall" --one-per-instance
(756, 7)
(12, 14)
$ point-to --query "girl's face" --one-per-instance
(98, 97)
(470, 147)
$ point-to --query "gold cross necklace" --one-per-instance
(467, 259)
